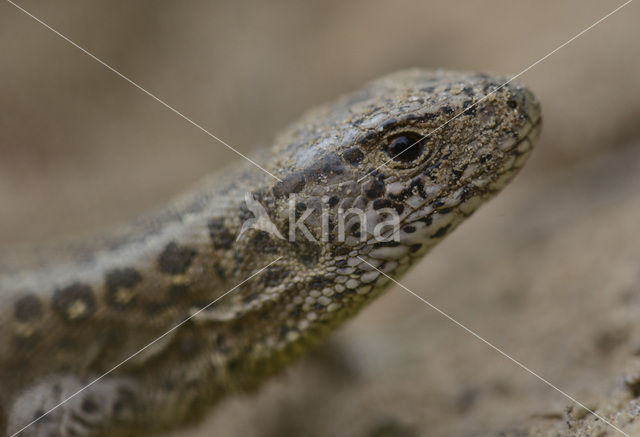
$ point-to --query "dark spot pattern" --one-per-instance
(340, 251)
(387, 203)
(190, 343)
(428, 116)
(319, 282)
(417, 186)
(441, 232)
(415, 247)
(486, 157)
(174, 259)
(174, 295)
(426, 220)
(446, 110)
(74, 303)
(374, 189)
(217, 267)
(459, 171)
(328, 164)
(125, 402)
(469, 110)
(388, 124)
(307, 251)
(355, 229)
(263, 243)
(333, 201)
(387, 244)
(119, 283)
(294, 183)
(300, 208)
(274, 276)
(353, 156)
(28, 308)
(219, 234)
(89, 405)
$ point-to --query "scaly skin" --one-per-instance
(71, 315)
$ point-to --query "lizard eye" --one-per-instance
(405, 147)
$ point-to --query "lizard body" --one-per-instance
(68, 317)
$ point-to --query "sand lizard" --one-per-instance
(69, 316)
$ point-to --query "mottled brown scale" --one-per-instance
(74, 303)
(175, 260)
(120, 287)
(68, 315)
(28, 308)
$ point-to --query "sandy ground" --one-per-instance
(549, 272)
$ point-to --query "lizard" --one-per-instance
(365, 186)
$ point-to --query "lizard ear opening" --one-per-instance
(405, 147)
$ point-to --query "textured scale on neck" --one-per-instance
(72, 315)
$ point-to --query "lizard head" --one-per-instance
(396, 166)
(369, 183)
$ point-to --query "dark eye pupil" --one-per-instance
(405, 148)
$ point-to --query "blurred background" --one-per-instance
(549, 271)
